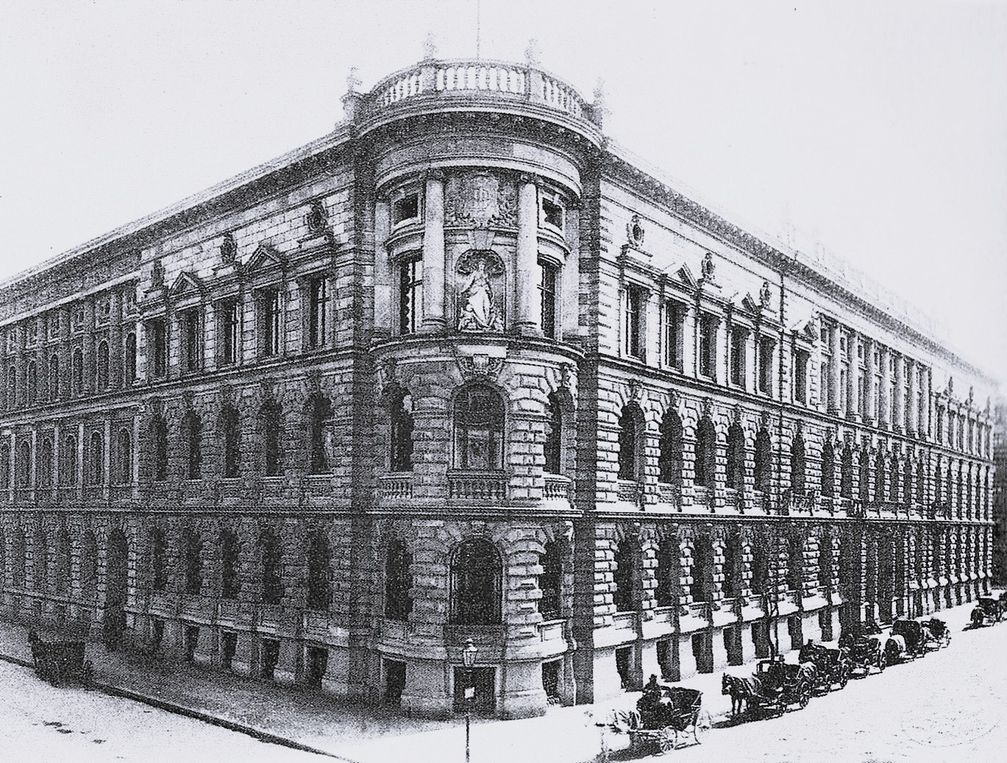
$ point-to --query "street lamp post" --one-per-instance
(469, 660)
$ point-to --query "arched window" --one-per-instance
(669, 461)
(921, 480)
(625, 575)
(43, 470)
(475, 583)
(17, 553)
(77, 372)
(398, 581)
(230, 561)
(701, 587)
(763, 462)
(62, 567)
(130, 353)
(760, 564)
(158, 560)
(667, 573)
(706, 453)
(11, 388)
(319, 411)
(865, 476)
(550, 582)
(54, 377)
(479, 427)
(736, 457)
(272, 575)
(31, 383)
(69, 460)
(271, 427)
(124, 462)
(40, 563)
(879, 477)
(192, 427)
(96, 459)
(159, 435)
(5, 466)
(825, 561)
(893, 479)
(828, 470)
(797, 465)
(630, 432)
(101, 367)
(22, 465)
(795, 563)
(846, 473)
(319, 561)
(89, 566)
(554, 436)
(192, 545)
(230, 427)
(731, 585)
(907, 481)
(400, 417)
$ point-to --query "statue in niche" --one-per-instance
(477, 306)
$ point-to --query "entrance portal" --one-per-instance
(116, 586)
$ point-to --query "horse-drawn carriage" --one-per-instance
(661, 715)
(940, 633)
(833, 665)
(866, 651)
(988, 610)
(773, 688)
(915, 636)
(60, 662)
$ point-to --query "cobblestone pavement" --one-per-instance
(945, 706)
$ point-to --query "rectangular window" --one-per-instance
(801, 377)
(738, 337)
(634, 322)
(406, 208)
(708, 346)
(103, 311)
(862, 392)
(228, 336)
(766, 366)
(547, 288)
(192, 340)
(823, 385)
(844, 375)
(673, 320)
(269, 323)
(410, 294)
(31, 334)
(318, 309)
(157, 348)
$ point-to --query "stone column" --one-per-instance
(899, 402)
(884, 398)
(912, 420)
(833, 407)
(434, 254)
(529, 300)
(870, 414)
(384, 315)
(853, 373)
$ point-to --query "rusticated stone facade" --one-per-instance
(459, 371)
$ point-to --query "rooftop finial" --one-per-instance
(352, 80)
(430, 47)
(532, 54)
(599, 94)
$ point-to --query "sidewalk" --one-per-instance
(368, 734)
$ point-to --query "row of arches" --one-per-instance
(44, 471)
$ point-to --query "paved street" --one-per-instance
(949, 705)
(41, 723)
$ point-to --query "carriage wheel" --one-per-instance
(804, 698)
(667, 739)
(882, 662)
(844, 678)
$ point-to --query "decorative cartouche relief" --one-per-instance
(480, 289)
(480, 200)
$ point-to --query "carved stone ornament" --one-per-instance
(317, 219)
(635, 391)
(480, 285)
(386, 372)
(157, 275)
(951, 386)
(225, 395)
(708, 268)
(674, 400)
(765, 295)
(228, 249)
(736, 414)
(708, 407)
(481, 200)
(313, 381)
(480, 366)
(764, 420)
(566, 376)
(635, 232)
(971, 395)
(267, 389)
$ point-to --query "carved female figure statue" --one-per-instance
(478, 311)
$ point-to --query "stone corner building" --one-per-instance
(460, 370)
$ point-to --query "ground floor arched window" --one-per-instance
(475, 583)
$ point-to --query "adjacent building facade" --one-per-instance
(460, 370)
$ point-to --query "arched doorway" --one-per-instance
(116, 585)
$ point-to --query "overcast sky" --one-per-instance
(878, 131)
